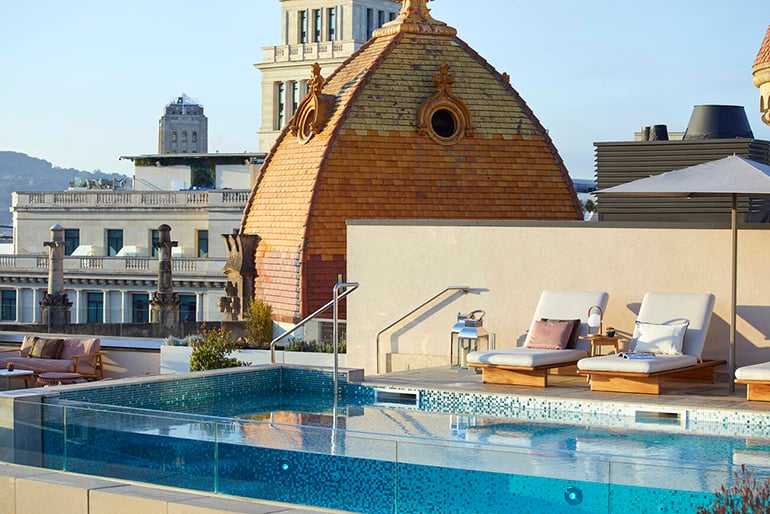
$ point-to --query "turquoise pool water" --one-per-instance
(294, 443)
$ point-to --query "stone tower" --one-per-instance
(183, 128)
(322, 31)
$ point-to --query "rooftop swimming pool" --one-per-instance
(279, 434)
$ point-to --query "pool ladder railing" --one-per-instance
(462, 289)
(341, 290)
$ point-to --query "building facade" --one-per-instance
(183, 128)
(322, 31)
(110, 264)
(713, 132)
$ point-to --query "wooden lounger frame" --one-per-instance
(535, 376)
(649, 383)
(758, 390)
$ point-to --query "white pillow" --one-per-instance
(665, 339)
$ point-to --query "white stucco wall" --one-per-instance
(401, 264)
(164, 178)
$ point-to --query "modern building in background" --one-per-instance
(322, 31)
(183, 128)
(713, 132)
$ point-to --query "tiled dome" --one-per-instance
(414, 125)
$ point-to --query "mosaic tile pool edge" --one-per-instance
(169, 391)
(165, 393)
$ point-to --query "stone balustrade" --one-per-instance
(181, 266)
(194, 199)
(308, 51)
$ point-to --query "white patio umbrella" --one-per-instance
(731, 176)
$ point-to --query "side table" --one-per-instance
(23, 374)
(599, 340)
(53, 379)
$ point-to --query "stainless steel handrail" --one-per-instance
(464, 289)
(351, 286)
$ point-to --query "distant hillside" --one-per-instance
(20, 172)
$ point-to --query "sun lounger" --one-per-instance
(757, 380)
(671, 325)
(529, 366)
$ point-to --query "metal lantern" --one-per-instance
(454, 354)
(472, 336)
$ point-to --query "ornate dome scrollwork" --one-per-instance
(444, 117)
(314, 111)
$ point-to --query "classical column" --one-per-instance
(199, 307)
(106, 306)
(55, 304)
(165, 302)
(19, 305)
(35, 302)
(123, 306)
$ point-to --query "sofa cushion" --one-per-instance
(525, 357)
(659, 338)
(40, 365)
(549, 335)
(573, 337)
(75, 346)
(616, 364)
(759, 372)
(26, 345)
(45, 348)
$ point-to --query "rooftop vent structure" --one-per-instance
(718, 122)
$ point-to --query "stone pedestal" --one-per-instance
(165, 302)
(55, 305)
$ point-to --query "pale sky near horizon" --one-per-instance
(86, 81)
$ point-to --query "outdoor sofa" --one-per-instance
(545, 347)
(57, 355)
(670, 326)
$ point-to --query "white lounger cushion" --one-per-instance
(614, 363)
(525, 357)
(760, 372)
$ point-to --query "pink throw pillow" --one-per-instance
(549, 335)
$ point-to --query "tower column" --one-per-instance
(55, 304)
(165, 302)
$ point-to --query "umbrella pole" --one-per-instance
(733, 299)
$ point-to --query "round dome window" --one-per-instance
(443, 123)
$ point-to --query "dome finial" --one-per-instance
(414, 17)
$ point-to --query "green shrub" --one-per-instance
(300, 345)
(258, 322)
(211, 350)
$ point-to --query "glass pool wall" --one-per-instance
(116, 432)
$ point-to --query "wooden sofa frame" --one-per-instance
(536, 376)
(649, 383)
(758, 390)
(98, 364)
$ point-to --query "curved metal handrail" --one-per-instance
(350, 287)
(464, 289)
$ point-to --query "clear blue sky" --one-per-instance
(85, 81)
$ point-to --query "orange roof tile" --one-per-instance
(763, 56)
(369, 161)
